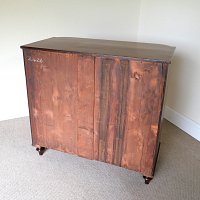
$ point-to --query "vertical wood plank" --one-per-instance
(143, 116)
(63, 96)
(121, 91)
(52, 86)
(110, 88)
(150, 143)
(85, 137)
(32, 71)
(104, 107)
(148, 113)
(97, 106)
(115, 98)
(133, 136)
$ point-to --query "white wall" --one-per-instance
(177, 23)
(172, 22)
(26, 21)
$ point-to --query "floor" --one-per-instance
(24, 175)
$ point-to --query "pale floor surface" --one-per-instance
(24, 175)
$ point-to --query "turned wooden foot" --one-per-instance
(147, 179)
(41, 150)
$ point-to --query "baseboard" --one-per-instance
(184, 123)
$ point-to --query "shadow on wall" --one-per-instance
(181, 93)
(175, 72)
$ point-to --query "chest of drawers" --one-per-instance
(98, 99)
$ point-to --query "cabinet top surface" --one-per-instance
(98, 47)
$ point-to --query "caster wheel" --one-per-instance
(147, 179)
(41, 150)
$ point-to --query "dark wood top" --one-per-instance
(135, 50)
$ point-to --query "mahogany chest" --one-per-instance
(99, 99)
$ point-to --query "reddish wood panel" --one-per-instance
(122, 88)
(128, 96)
(143, 116)
(32, 71)
(105, 124)
(102, 108)
(151, 130)
(61, 101)
(85, 115)
(109, 112)
(133, 138)
(52, 91)
(163, 79)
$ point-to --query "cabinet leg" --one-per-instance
(41, 150)
(147, 179)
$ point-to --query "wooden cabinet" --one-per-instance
(98, 99)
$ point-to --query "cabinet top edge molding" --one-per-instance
(98, 47)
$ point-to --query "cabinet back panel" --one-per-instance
(102, 108)
(61, 98)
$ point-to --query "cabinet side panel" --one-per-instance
(150, 137)
(85, 137)
(54, 93)
(158, 116)
(32, 83)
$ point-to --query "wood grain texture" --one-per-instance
(162, 97)
(127, 112)
(108, 109)
(85, 113)
(133, 136)
(61, 98)
(151, 115)
(97, 47)
(105, 108)
(52, 93)
(122, 75)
